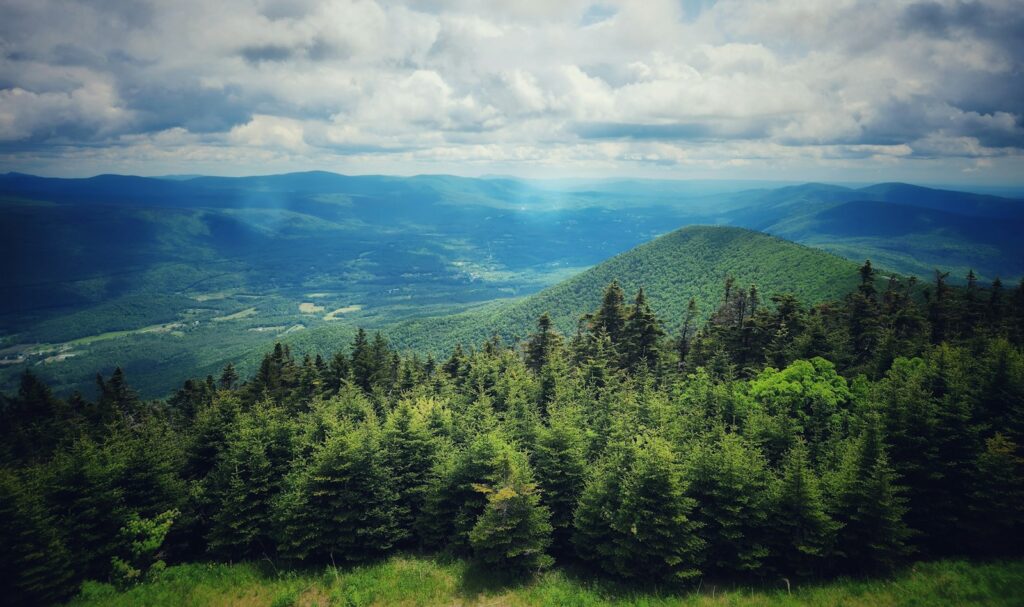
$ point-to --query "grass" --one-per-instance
(413, 581)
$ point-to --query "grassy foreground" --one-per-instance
(420, 581)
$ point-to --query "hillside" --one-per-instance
(906, 228)
(690, 262)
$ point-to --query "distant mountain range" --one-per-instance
(170, 276)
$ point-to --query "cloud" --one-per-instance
(625, 86)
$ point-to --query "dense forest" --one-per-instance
(775, 439)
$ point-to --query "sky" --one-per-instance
(815, 90)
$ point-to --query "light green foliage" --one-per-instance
(513, 532)
(144, 538)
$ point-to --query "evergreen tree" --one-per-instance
(640, 335)
(611, 316)
(730, 483)
(514, 531)
(869, 507)
(561, 472)
(638, 526)
(35, 566)
(245, 482)
(801, 530)
(341, 505)
(408, 451)
(998, 500)
(541, 345)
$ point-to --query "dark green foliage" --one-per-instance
(633, 518)
(731, 484)
(652, 467)
(35, 566)
(802, 533)
(243, 485)
(868, 505)
(340, 506)
(409, 450)
(559, 461)
(998, 500)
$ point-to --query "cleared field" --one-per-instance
(310, 308)
(334, 314)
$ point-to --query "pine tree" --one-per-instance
(246, 481)
(341, 506)
(998, 500)
(453, 504)
(638, 527)
(408, 450)
(687, 333)
(513, 532)
(611, 316)
(228, 377)
(802, 533)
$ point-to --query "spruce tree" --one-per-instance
(998, 501)
(869, 506)
(408, 450)
(641, 335)
(561, 472)
(541, 345)
(802, 533)
(35, 565)
(638, 526)
(513, 532)
(341, 505)
(729, 481)
(611, 316)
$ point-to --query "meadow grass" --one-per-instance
(413, 581)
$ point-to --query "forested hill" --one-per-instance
(691, 262)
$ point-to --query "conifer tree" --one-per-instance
(246, 481)
(341, 506)
(35, 566)
(802, 533)
(561, 472)
(869, 506)
(998, 500)
(228, 377)
(514, 531)
(408, 450)
(730, 483)
(453, 504)
(638, 527)
(611, 316)
(541, 345)
(640, 335)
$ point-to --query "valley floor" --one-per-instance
(421, 581)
